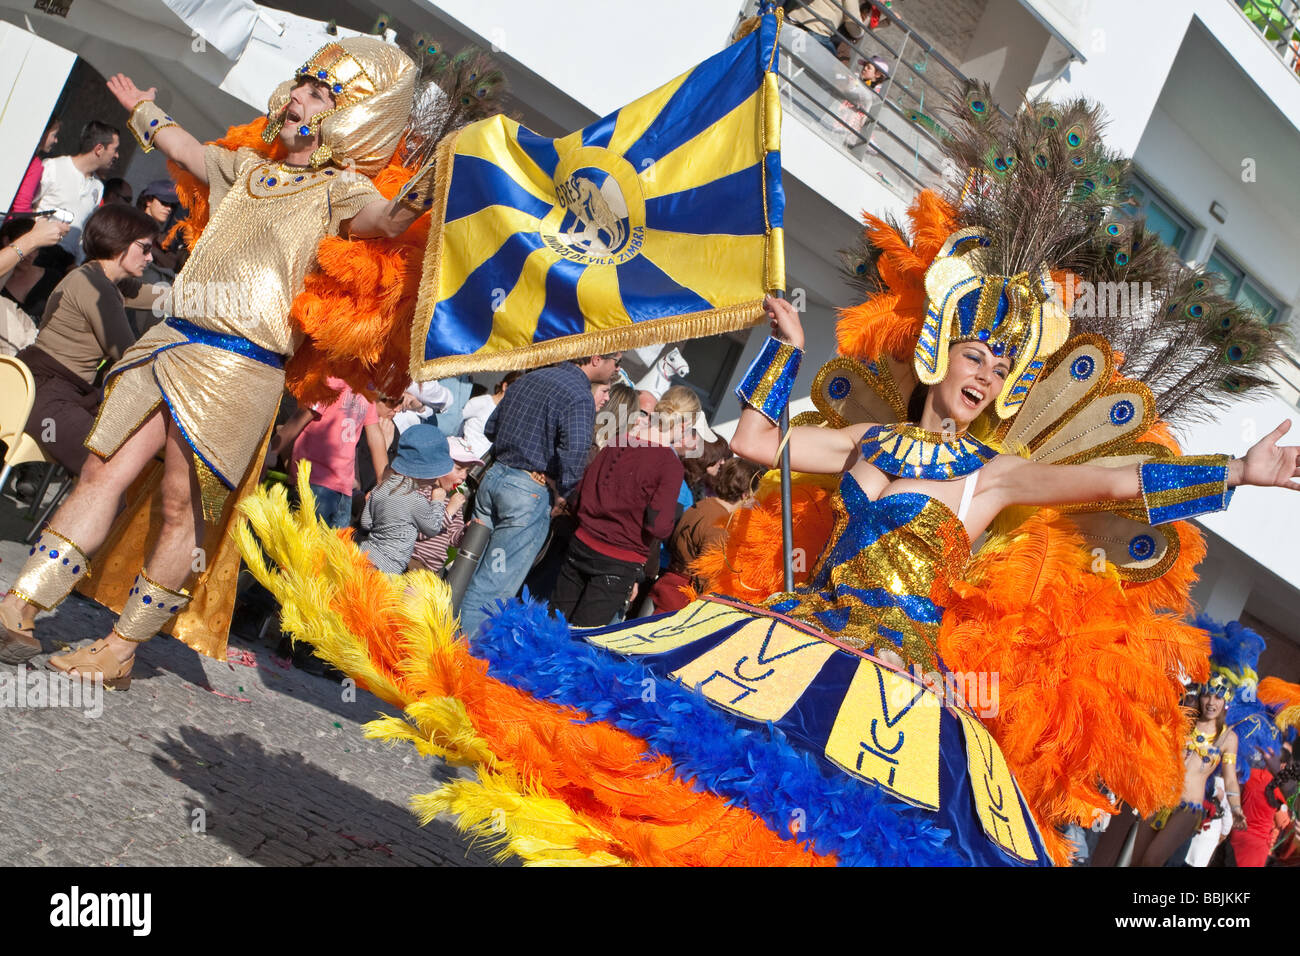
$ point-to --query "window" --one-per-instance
(1162, 219)
(1241, 287)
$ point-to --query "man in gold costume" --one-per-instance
(203, 386)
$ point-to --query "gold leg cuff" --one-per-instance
(54, 566)
(148, 607)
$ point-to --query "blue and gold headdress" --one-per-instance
(1017, 317)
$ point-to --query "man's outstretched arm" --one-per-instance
(176, 144)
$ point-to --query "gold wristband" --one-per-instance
(146, 121)
(417, 194)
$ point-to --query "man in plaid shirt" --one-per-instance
(541, 434)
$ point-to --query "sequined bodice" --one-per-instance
(1201, 745)
(884, 578)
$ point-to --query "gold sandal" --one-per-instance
(17, 644)
(96, 661)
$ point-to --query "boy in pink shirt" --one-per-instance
(326, 436)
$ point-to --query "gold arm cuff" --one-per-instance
(54, 566)
(417, 194)
(148, 607)
(147, 119)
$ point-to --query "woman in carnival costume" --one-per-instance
(272, 289)
(1211, 748)
(785, 731)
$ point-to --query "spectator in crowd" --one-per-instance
(1264, 803)
(626, 503)
(31, 182)
(420, 402)
(700, 527)
(479, 409)
(69, 183)
(117, 189)
(160, 203)
(875, 70)
(85, 326)
(702, 468)
(326, 436)
(23, 282)
(399, 510)
(824, 20)
(619, 415)
(540, 435)
(431, 551)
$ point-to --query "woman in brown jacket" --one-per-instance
(85, 325)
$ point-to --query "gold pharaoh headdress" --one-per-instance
(1015, 316)
(373, 84)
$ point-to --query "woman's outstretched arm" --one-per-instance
(1020, 482)
(824, 451)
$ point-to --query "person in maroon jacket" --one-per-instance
(627, 501)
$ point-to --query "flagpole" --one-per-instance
(787, 520)
(787, 523)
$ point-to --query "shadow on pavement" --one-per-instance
(276, 808)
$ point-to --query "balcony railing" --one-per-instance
(893, 128)
(1278, 22)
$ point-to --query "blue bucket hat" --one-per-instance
(422, 452)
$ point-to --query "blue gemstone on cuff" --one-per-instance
(412, 195)
(147, 599)
(153, 122)
(322, 74)
(174, 608)
(271, 181)
(338, 87)
(76, 568)
(53, 553)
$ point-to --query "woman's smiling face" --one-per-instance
(975, 378)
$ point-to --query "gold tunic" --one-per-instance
(241, 280)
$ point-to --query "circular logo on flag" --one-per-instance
(599, 211)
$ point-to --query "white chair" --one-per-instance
(17, 395)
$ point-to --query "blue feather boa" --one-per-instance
(756, 767)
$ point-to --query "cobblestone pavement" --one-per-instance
(205, 763)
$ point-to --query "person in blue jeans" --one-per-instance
(540, 436)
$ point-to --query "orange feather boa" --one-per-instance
(606, 775)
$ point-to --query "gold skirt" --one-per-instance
(222, 401)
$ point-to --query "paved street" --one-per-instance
(204, 762)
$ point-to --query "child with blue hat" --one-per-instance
(398, 510)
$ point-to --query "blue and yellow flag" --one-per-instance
(657, 223)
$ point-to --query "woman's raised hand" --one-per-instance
(127, 93)
(784, 321)
(1269, 465)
